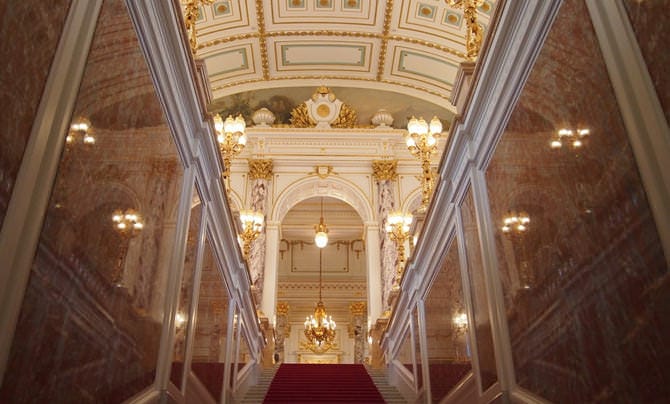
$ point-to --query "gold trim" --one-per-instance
(265, 65)
(191, 14)
(388, 12)
(322, 171)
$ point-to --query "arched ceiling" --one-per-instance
(412, 47)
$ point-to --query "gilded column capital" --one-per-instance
(358, 308)
(260, 169)
(282, 308)
(383, 170)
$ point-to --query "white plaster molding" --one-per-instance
(331, 186)
(25, 212)
(641, 110)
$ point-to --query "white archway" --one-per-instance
(333, 187)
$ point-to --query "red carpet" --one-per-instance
(294, 383)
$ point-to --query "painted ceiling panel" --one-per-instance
(407, 46)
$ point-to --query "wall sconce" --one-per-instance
(515, 224)
(231, 138)
(128, 224)
(421, 142)
(80, 130)
(252, 225)
(574, 138)
(397, 227)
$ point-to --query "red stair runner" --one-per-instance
(309, 383)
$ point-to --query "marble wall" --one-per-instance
(90, 322)
(29, 34)
(586, 285)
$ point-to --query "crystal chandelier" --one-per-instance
(320, 327)
(321, 236)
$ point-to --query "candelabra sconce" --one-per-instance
(128, 224)
(421, 142)
(397, 227)
(514, 226)
(80, 131)
(231, 138)
(252, 225)
(569, 137)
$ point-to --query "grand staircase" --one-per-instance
(311, 383)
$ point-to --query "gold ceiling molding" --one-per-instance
(265, 65)
(260, 169)
(231, 38)
(385, 33)
(444, 96)
(384, 37)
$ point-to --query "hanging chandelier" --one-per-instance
(320, 327)
(321, 236)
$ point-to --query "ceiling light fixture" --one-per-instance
(321, 236)
(320, 327)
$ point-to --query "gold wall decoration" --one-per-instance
(385, 170)
(260, 169)
(323, 110)
(322, 171)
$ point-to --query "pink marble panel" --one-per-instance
(29, 34)
(90, 324)
(585, 283)
(447, 341)
(211, 327)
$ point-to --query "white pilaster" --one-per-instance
(271, 269)
(374, 271)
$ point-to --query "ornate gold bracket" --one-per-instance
(473, 41)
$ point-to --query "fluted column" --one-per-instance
(385, 173)
(260, 174)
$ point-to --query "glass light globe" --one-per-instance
(321, 239)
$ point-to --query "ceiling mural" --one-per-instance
(411, 47)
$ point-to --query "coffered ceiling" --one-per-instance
(411, 47)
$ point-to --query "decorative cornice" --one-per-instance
(385, 170)
(260, 169)
(441, 94)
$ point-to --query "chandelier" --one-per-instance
(422, 143)
(320, 327)
(231, 138)
(321, 236)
